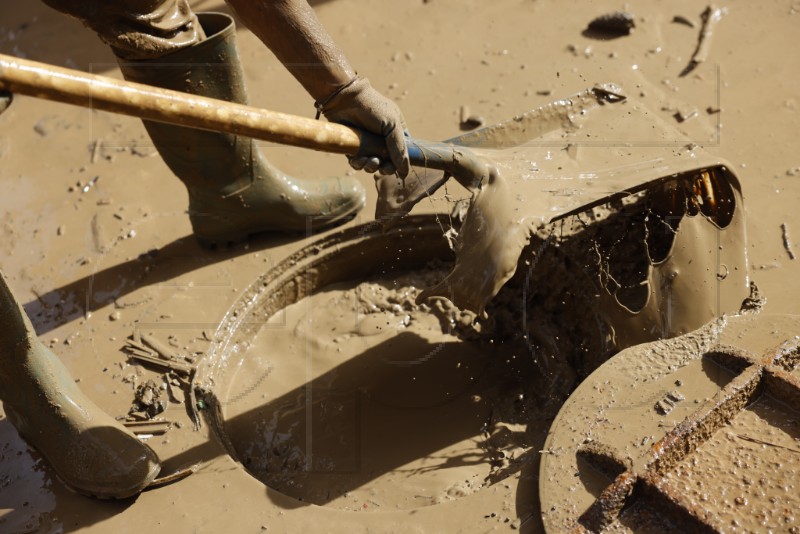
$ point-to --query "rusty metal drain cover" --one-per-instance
(699, 433)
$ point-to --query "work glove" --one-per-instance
(359, 105)
(5, 100)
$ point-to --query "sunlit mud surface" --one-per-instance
(95, 241)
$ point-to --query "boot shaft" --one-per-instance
(16, 331)
(211, 162)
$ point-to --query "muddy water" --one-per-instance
(359, 399)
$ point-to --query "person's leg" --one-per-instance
(137, 29)
(90, 451)
(233, 190)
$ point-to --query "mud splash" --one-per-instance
(554, 162)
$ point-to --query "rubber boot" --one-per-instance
(233, 190)
(90, 451)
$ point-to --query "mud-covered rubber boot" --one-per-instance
(233, 190)
(90, 452)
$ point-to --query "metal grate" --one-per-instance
(732, 463)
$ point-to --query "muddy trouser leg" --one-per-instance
(137, 29)
(233, 190)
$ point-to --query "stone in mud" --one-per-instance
(614, 24)
(147, 401)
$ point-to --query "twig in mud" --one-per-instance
(680, 19)
(711, 16)
(787, 243)
(174, 477)
(96, 150)
(194, 409)
(134, 350)
(177, 367)
(155, 428)
(162, 350)
(133, 344)
(40, 299)
(762, 442)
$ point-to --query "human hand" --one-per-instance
(361, 106)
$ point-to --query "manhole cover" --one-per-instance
(699, 433)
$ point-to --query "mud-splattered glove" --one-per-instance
(5, 100)
(359, 105)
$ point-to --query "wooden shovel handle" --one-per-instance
(174, 107)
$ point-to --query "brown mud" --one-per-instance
(706, 443)
(96, 242)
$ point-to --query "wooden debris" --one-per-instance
(711, 16)
(787, 243)
(680, 19)
(163, 350)
(155, 428)
(96, 146)
(169, 365)
(174, 477)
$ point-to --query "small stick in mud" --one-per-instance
(787, 243)
(177, 367)
(155, 428)
(96, 150)
(134, 344)
(174, 477)
(766, 443)
(680, 19)
(133, 350)
(711, 16)
(161, 349)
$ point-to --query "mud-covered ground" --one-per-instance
(95, 239)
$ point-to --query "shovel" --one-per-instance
(511, 193)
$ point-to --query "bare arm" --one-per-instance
(294, 34)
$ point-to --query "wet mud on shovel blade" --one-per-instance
(541, 166)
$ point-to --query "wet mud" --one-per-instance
(96, 242)
(358, 395)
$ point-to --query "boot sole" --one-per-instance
(125, 493)
(116, 495)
